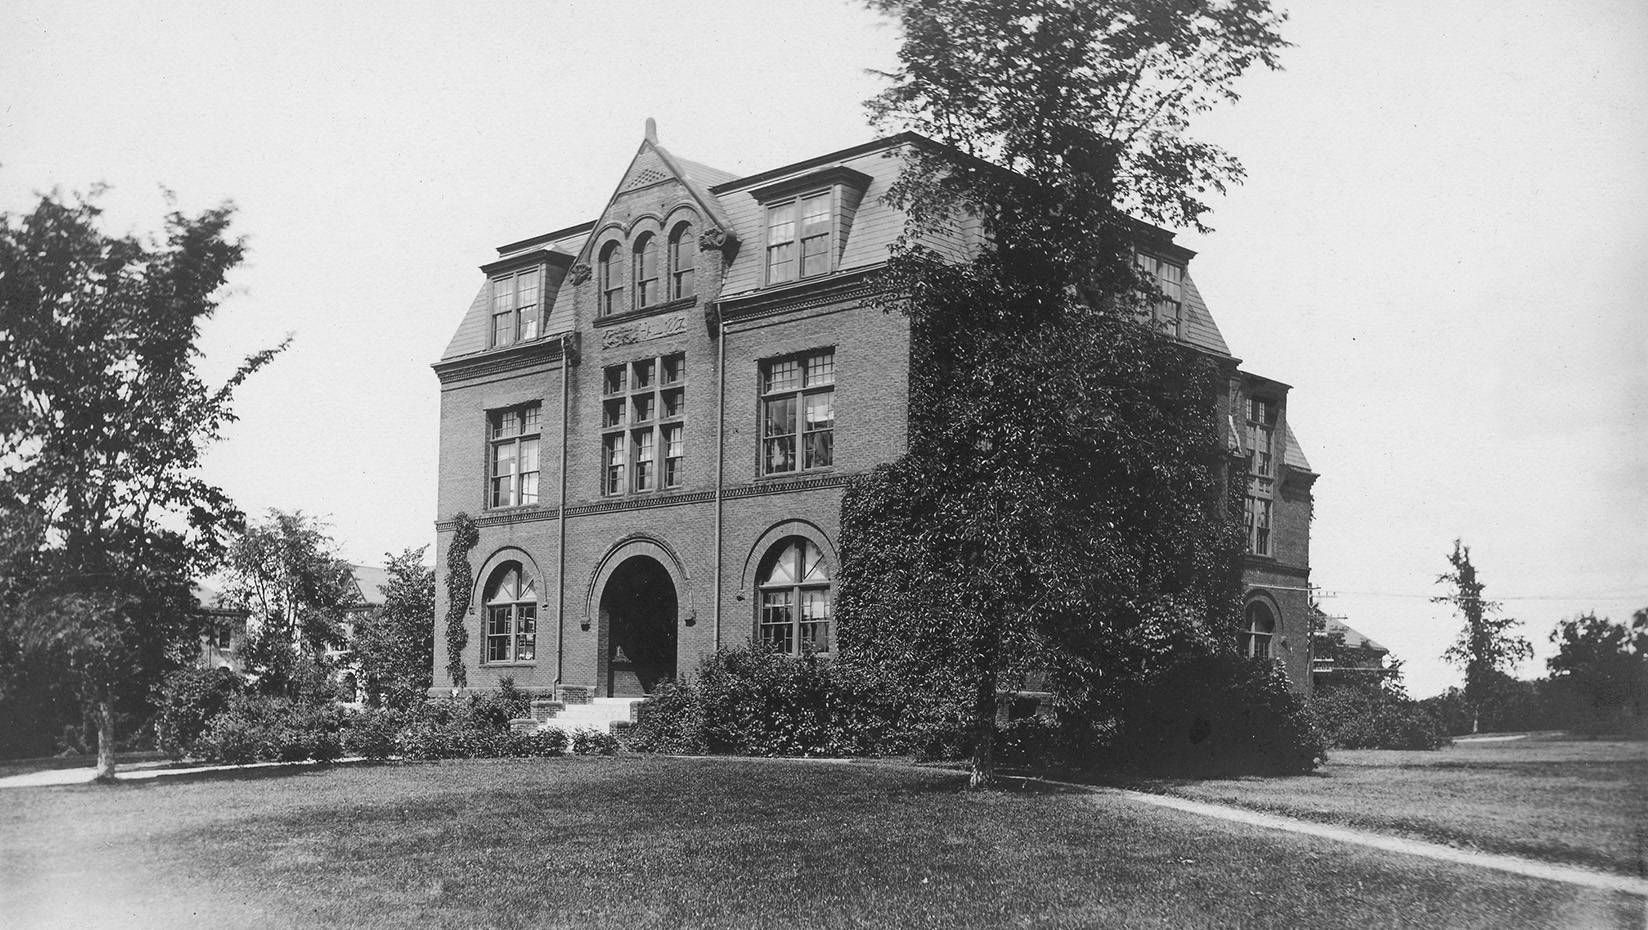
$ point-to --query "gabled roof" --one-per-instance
(1353, 638)
(1292, 455)
(370, 580)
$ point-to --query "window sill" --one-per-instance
(627, 316)
(532, 664)
(513, 508)
(798, 473)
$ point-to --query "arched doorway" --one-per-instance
(638, 607)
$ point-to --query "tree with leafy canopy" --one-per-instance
(285, 573)
(104, 518)
(1485, 648)
(1606, 663)
(1065, 506)
(394, 645)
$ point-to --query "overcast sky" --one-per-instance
(1442, 243)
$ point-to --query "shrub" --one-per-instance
(476, 727)
(372, 733)
(591, 742)
(1218, 714)
(550, 741)
(188, 700)
(262, 728)
(670, 721)
(1370, 717)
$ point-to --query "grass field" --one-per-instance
(649, 842)
(1579, 802)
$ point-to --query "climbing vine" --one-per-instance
(460, 580)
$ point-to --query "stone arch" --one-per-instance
(653, 222)
(633, 545)
(1259, 597)
(494, 561)
(784, 529)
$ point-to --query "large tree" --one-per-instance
(297, 592)
(1064, 507)
(394, 645)
(1606, 664)
(1486, 648)
(103, 418)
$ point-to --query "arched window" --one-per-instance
(646, 270)
(511, 615)
(682, 247)
(1261, 626)
(794, 588)
(608, 274)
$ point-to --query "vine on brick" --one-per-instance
(460, 580)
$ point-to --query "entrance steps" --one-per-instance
(598, 714)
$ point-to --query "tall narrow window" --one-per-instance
(798, 238)
(683, 246)
(512, 437)
(1260, 627)
(643, 409)
(798, 413)
(1261, 435)
(645, 264)
(515, 310)
(511, 615)
(1167, 305)
(794, 588)
(1258, 524)
(611, 280)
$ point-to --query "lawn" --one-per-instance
(640, 842)
(1579, 802)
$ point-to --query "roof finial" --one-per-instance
(652, 130)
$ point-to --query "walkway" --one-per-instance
(138, 771)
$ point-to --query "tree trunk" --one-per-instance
(105, 736)
(983, 774)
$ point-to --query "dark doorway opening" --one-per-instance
(639, 607)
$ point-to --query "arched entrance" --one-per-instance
(638, 609)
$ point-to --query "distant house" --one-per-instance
(223, 642)
(1339, 652)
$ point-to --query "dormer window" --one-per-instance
(646, 271)
(1167, 306)
(682, 244)
(798, 238)
(515, 309)
(807, 221)
(610, 278)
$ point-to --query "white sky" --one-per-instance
(1441, 244)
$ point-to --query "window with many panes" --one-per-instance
(511, 615)
(1258, 524)
(1260, 628)
(1261, 437)
(515, 308)
(609, 276)
(1166, 306)
(798, 237)
(794, 589)
(683, 247)
(798, 412)
(512, 456)
(643, 413)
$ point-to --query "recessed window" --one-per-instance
(512, 455)
(515, 307)
(610, 277)
(643, 407)
(683, 246)
(1258, 524)
(798, 412)
(794, 590)
(798, 238)
(645, 264)
(511, 615)
(1261, 436)
(1260, 628)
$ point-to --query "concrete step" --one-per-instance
(599, 714)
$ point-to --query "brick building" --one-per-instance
(651, 417)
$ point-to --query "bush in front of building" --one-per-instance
(268, 728)
(187, 701)
(1368, 715)
(1215, 715)
(751, 700)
